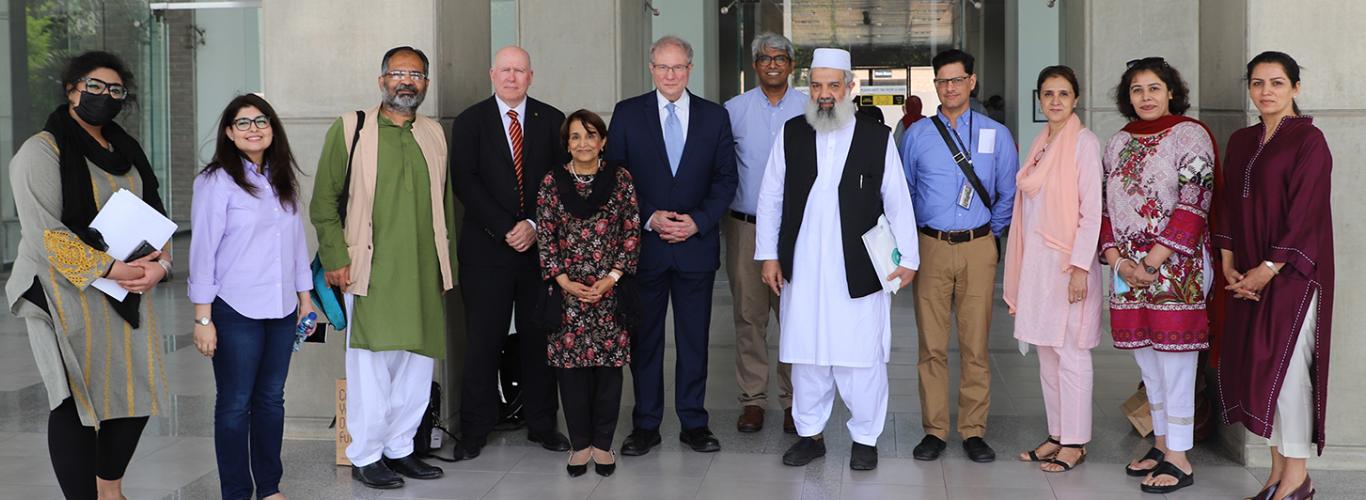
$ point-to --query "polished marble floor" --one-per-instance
(175, 459)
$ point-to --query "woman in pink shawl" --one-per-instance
(1052, 253)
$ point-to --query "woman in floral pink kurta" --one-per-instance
(1158, 190)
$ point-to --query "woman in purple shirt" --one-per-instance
(249, 281)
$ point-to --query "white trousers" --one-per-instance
(864, 391)
(387, 393)
(1293, 427)
(1169, 378)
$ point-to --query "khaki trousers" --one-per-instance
(962, 277)
(752, 300)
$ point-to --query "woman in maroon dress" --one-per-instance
(1276, 237)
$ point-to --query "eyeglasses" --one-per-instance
(97, 86)
(244, 124)
(765, 59)
(1146, 60)
(951, 82)
(400, 74)
(677, 68)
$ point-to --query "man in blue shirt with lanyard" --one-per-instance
(756, 118)
(961, 167)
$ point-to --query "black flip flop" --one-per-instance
(1167, 469)
(1153, 454)
(1066, 466)
(1034, 457)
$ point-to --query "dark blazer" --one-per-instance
(486, 183)
(704, 187)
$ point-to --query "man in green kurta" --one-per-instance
(390, 254)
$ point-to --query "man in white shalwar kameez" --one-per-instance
(831, 175)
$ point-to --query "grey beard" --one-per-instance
(404, 104)
(826, 120)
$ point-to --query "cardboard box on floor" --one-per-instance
(1137, 411)
(343, 437)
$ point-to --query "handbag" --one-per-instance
(327, 298)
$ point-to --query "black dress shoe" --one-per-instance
(413, 467)
(978, 450)
(552, 440)
(700, 440)
(639, 442)
(377, 476)
(929, 448)
(863, 457)
(804, 451)
(467, 450)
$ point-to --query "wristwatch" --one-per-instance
(1147, 268)
(204, 321)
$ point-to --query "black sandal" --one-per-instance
(1168, 469)
(1065, 466)
(1034, 457)
(1153, 454)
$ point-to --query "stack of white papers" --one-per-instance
(882, 250)
(125, 222)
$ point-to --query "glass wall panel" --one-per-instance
(37, 37)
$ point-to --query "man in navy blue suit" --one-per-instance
(679, 149)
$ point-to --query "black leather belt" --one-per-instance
(957, 236)
(743, 216)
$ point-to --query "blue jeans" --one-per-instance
(249, 368)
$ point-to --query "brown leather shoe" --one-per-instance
(789, 425)
(751, 420)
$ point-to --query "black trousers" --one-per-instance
(79, 454)
(592, 401)
(489, 294)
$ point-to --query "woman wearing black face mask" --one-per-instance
(97, 355)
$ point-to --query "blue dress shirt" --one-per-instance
(936, 181)
(756, 123)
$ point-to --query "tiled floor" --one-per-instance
(175, 459)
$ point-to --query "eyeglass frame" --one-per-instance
(108, 87)
(399, 75)
(780, 59)
(955, 81)
(675, 69)
(244, 124)
(1134, 62)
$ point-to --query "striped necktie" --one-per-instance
(515, 134)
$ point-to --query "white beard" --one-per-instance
(835, 118)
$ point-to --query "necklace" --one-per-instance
(586, 178)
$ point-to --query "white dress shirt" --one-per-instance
(680, 109)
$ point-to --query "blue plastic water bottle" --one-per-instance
(304, 327)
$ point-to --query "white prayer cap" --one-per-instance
(831, 58)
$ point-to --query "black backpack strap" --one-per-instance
(344, 197)
(963, 161)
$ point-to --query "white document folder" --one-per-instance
(882, 250)
(125, 222)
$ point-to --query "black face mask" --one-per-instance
(98, 109)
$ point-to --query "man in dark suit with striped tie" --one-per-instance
(501, 147)
(681, 154)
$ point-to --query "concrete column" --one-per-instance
(1100, 36)
(1332, 63)
(588, 53)
(320, 59)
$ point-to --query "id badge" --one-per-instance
(965, 196)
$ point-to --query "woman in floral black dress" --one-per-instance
(589, 237)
